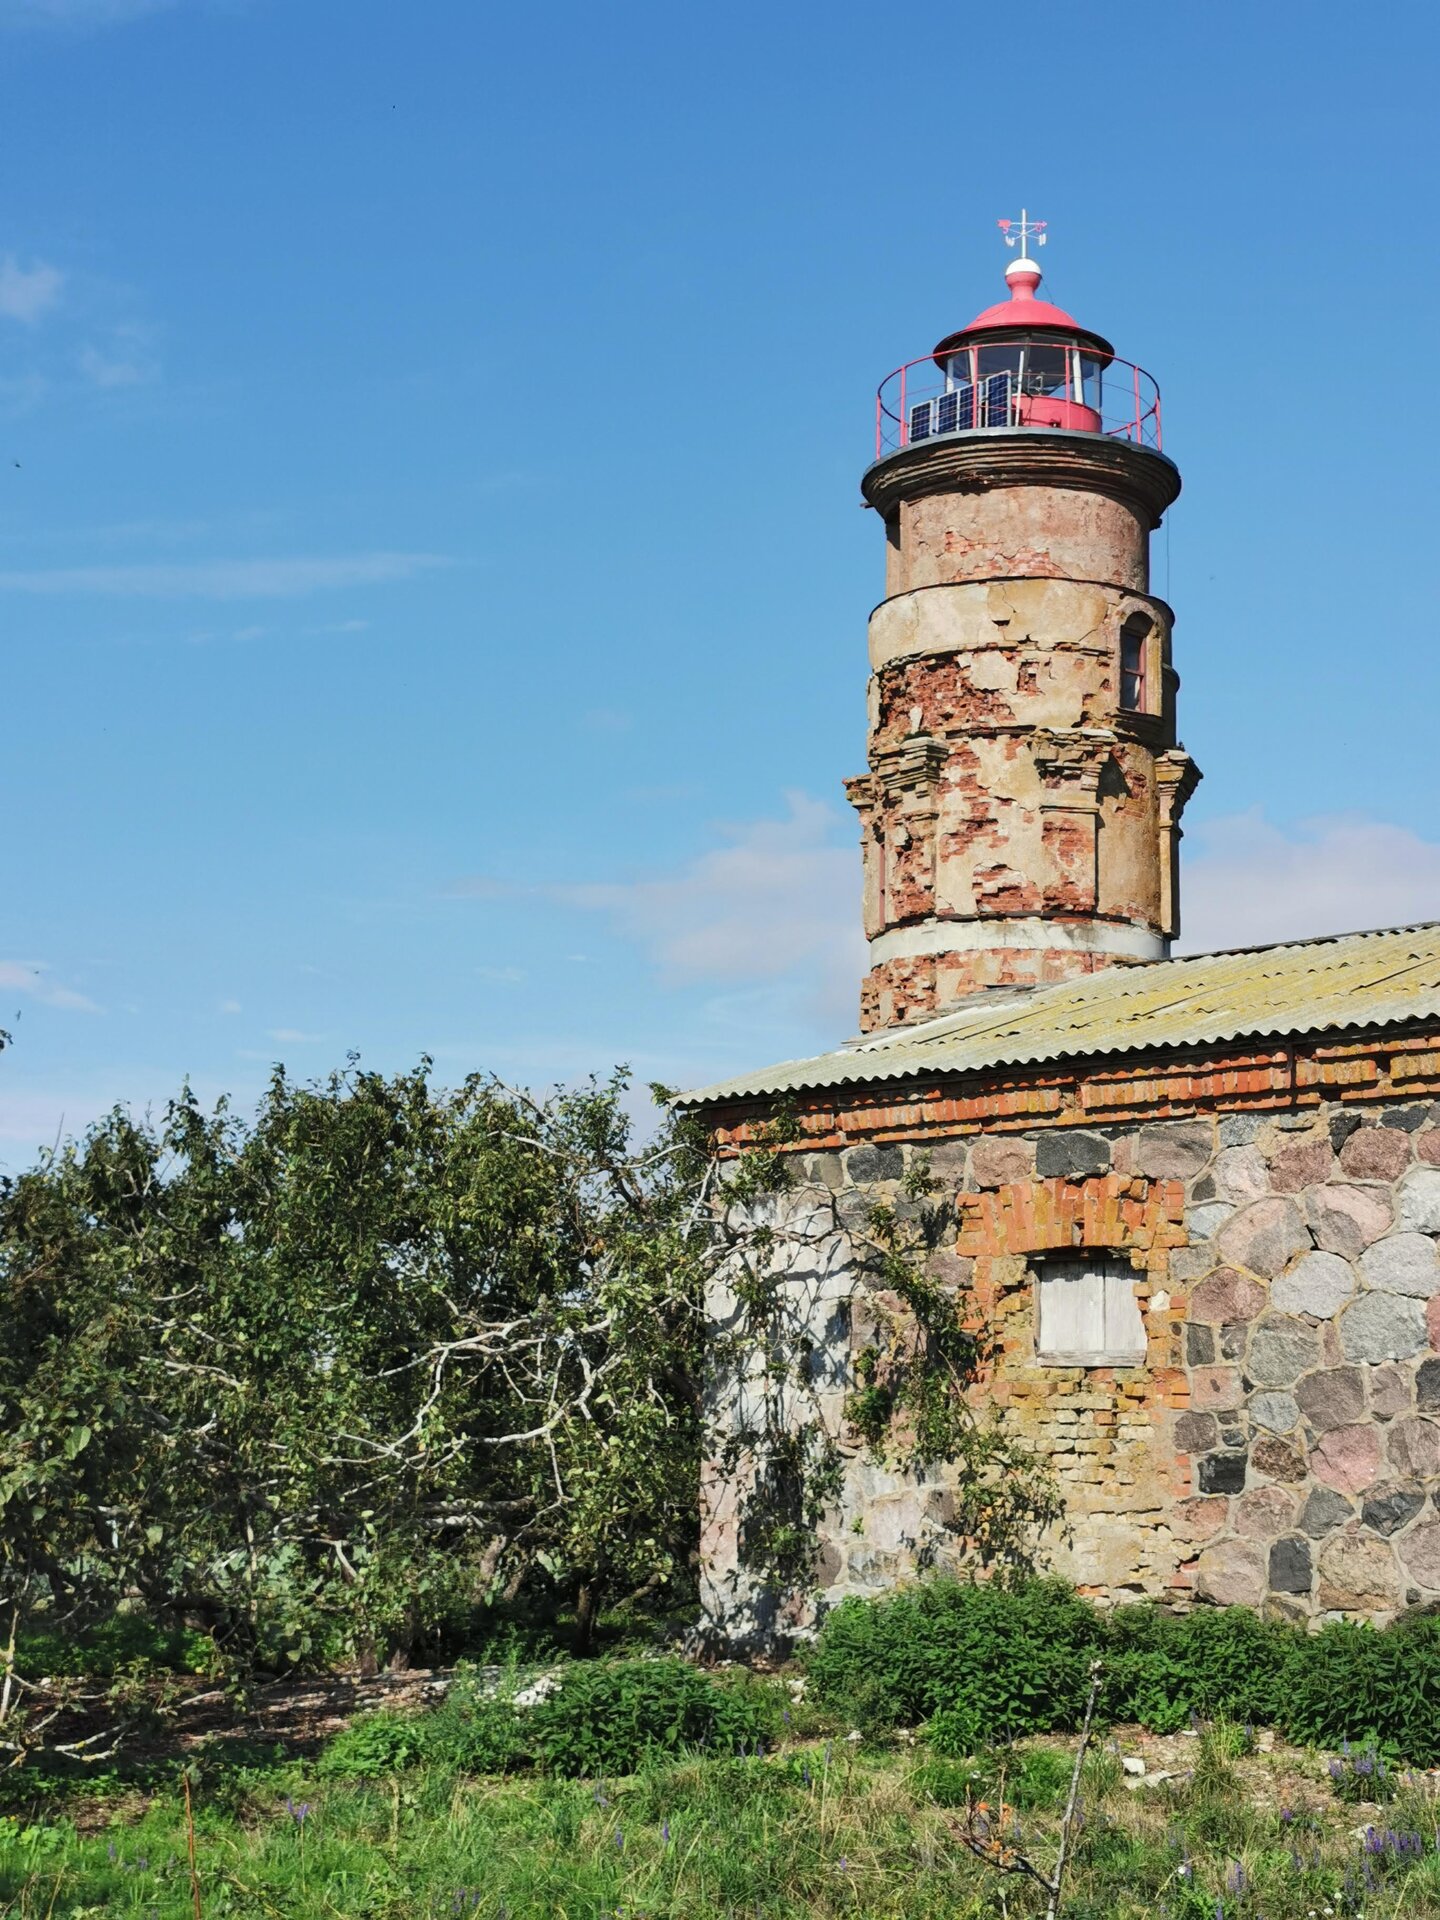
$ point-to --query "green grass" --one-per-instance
(809, 1831)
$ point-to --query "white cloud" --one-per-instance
(226, 579)
(127, 362)
(31, 976)
(230, 1006)
(292, 1037)
(779, 900)
(1247, 882)
(28, 293)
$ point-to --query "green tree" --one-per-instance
(327, 1381)
(324, 1380)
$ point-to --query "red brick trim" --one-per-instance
(1110, 1210)
(1398, 1064)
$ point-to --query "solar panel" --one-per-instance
(947, 408)
(965, 418)
(920, 427)
(996, 400)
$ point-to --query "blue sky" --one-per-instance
(431, 569)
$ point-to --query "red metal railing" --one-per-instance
(1023, 383)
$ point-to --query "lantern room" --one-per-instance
(1021, 364)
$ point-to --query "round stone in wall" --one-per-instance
(1347, 1459)
(1319, 1284)
(1225, 1297)
(1290, 1569)
(1403, 1263)
(1383, 1326)
(1387, 1509)
(1277, 1411)
(1324, 1511)
(1358, 1573)
(1333, 1397)
(1414, 1447)
(1392, 1390)
(1240, 1174)
(1419, 1200)
(1420, 1553)
(1264, 1512)
(1265, 1237)
(1345, 1219)
(1277, 1459)
(1280, 1351)
(1232, 1574)
(1376, 1153)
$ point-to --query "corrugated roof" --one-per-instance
(1384, 978)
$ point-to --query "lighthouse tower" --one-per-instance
(1020, 818)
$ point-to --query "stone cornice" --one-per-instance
(1141, 479)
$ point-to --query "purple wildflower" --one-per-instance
(665, 1831)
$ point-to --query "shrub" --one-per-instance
(955, 1732)
(998, 1661)
(607, 1717)
(374, 1744)
(982, 1664)
(1355, 1683)
(1163, 1669)
(467, 1733)
(470, 1733)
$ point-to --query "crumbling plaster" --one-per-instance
(1010, 797)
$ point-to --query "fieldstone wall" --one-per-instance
(1280, 1445)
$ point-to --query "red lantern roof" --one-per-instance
(1023, 313)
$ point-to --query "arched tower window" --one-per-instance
(1135, 663)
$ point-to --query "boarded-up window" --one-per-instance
(1089, 1314)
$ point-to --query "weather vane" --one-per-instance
(1023, 230)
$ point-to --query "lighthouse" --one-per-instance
(1177, 1192)
(1020, 815)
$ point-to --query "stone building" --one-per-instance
(1196, 1200)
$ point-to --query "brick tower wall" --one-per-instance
(1018, 824)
